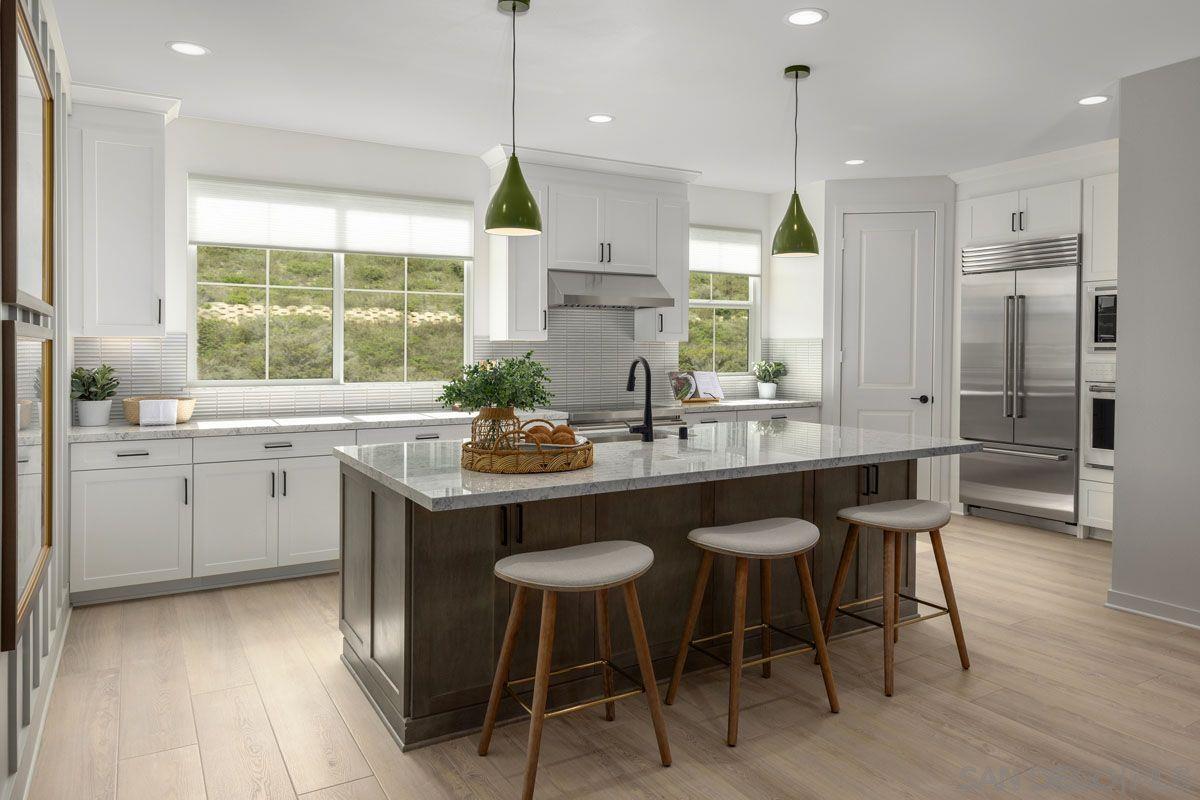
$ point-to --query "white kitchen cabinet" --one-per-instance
(130, 526)
(1052, 210)
(631, 232)
(991, 219)
(1100, 228)
(668, 324)
(1035, 213)
(575, 228)
(692, 418)
(309, 505)
(422, 433)
(517, 276)
(1096, 505)
(236, 516)
(793, 414)
(118, 186)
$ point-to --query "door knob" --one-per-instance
(923, 398)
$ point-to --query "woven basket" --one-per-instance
(187, 406)
(508, 456)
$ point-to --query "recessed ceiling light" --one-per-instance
(600, 119)
(188, 48)
(855, 162)
(1094, 100)
(807, 16)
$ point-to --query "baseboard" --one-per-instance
(142, 590)
(33, 746)
(1157, 609)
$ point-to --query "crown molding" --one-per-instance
(167, 107)
(496, 156)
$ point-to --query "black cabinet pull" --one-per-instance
(602, 252)
(610, 252)
(875, 473)
(660, 323)
(1021, 220)
(160, 311)
(520, 523)
(131, 453)
(272, 483)
(1013, 222)
(504, 526)
(543, 319)
(185, 491)
(276, 445)
(285, 483)
(421, 437)
(864, 484)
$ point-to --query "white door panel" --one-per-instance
(309, 509)
(576, 228)
(236, 516)
(1053, 210)
(631, 232)
(992, 219)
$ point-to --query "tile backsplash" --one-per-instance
(588, 353)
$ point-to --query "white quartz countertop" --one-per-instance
(326, 422)
(429, 473)
(749, 404)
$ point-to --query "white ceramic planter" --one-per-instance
(93, 413)
(766, 391)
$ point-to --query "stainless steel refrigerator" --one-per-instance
(1020, 377)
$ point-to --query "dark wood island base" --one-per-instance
(423, 616)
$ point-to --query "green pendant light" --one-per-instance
(795, 236)
(513, 210)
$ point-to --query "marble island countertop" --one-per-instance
(429, 473)
(325, 422)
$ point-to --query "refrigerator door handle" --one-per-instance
(1000, 451)
(1006, 390)
(1019, 359)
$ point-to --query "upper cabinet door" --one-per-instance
(1052, 210)
(991, 219)
(518, 275)
(1100, 228)
(123, 217)
(631, 232)
(576, 228)
(668, 324)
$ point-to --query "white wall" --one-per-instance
(1156, 541)
(205, 147)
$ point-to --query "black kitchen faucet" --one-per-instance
(646, 429)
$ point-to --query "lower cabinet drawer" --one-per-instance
(1096, 504)
(130, 526)
(135, 453)
(420, 433)
(706, 417)
(806, 414)
(269, 445)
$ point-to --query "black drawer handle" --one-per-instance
(277, 445)
(504, 526)
(130, 453)
(779, 416)
(520, 523)
(426, 436)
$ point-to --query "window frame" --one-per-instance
(339, 309)
(754, 304)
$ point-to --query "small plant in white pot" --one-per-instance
(92, 391)
(768, 374)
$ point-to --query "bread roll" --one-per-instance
(563, 429)
(562, 437)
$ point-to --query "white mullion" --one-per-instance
(404, 319)
(267, 321)
(339, 316)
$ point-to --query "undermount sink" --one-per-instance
(624, 435)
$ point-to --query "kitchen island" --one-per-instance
(423, 617)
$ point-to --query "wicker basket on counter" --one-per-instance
(512, 455)
(133, 414)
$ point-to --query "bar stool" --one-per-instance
(761, 540)
(896, 518)
(595, 567)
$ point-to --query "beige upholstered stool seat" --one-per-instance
(581, 568)
(760, 538)
(899, 515)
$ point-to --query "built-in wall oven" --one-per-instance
(1099, 418)
(1101, 309)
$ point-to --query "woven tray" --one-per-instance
(513, 456)
(133, 415)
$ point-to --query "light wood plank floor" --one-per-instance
(239, 693)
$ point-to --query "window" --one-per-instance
(300, 285)
(723, 301)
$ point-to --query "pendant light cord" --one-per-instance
(514, 79)
(796, 139)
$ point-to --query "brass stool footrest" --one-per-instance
(805, 646)
(558, 712)
(846, 609)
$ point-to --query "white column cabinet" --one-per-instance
(1036, 213)
(236, 517)
(1100, 228)
(575, 228)
(309, 504)
(517, 269)
(130, 526)
(668, 324)
(630, 232)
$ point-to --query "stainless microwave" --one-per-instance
(1101, 311)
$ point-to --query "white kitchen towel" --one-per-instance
(158, 412)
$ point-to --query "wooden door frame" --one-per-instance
(943, 323)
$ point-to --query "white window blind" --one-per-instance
(725, 250)
(235, 213)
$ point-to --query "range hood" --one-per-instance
(599, 290)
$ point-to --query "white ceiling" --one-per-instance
(918, 87)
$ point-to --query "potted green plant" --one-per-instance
(496, 389)
(768, 374)
(92, 391)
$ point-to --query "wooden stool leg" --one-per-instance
(541, 688)
(736, 643)
(764, 604)
(689, 624)
(939, 554)
(889, 609)
(604, 644)
(898, 559)
(633, 610)
(839, 578)
(501, 677)
(814, 623)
